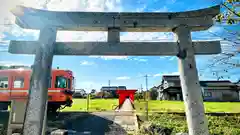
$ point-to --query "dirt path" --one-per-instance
(100, 123)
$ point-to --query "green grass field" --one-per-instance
(177, 106)
(218, 125)
(154, 106)
(94, 105)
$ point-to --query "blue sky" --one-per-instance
(95, 71)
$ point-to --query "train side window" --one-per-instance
(18, 82)
(61, 82)
(3, 82)
(69, 84)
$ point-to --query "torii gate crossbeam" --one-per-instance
(181, 23)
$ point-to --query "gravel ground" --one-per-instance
(100, 123)
(126, 106)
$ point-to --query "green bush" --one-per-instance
(218, 125)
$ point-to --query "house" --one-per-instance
(79, 93)
(220, 90)
(112, 89)
(223, 90)
(170, 88)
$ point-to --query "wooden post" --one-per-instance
(146, 105)
(88, 97)
(38, 93)
(197, 122)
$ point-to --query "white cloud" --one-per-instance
(123, 78)
(171, 73)
(84, 5)
(141, 60)
(165, 73)
(147, 36)
(86, 63)
(168, 57)
(4, 42)
(164, 57)
(2, 36)
(111, 57)
(81, 36)
(57, 5)
(7, 18)
(119, 58)
(172, 58)
(156, 75)
(215, 29)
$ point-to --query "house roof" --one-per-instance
(113, 87)
(170, 77)
(217, 83)
(175, 79)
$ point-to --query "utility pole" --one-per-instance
(109, 83)
(146, 98)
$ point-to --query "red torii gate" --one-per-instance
(123, 94)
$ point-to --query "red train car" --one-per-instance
(15, 83)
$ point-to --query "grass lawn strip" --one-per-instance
(154, 106)
(218, 125)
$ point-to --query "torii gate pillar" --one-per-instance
(191, 90)
(36, 117)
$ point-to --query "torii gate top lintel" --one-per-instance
(30, 18)
(100, 21)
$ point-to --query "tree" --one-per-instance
(153, 93)
(231, 15)
(225, 64)
(93, 91)
(99, 94)
(107, 94)
(139, 95)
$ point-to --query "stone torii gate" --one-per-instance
(181, 23)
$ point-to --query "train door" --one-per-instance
(5, 85)
(19, 90)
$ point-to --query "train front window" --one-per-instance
(61, 82)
